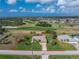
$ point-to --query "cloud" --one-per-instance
(22, 9)
(40, 1)
(45, 1)
(38, 5)
(50, 9)
(68, 6)
(61, 2)
(68, 3)
(74, 3)
(13, 10)
(11, 1)
(30, 1)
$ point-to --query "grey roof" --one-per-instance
(63, 37)
(73, 40)
(2, 36)
(77, 37)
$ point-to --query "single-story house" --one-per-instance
(76, 38)
(2, 36)
(64, 38)
(71, 40)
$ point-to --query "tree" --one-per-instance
(48, 31)
(2, 30)
(54, 42)
(27, 40)
(43, 24)
(54, 34)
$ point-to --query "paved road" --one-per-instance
(16, 52)
(44, 48)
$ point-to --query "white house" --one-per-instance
(76, 38)
(67, 39)
(64, 38)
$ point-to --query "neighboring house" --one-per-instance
(40, 38)
(64, 38)
(76, 38)
(2, 36)
(67, 39)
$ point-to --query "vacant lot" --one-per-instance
(20, 40)
(18, 57)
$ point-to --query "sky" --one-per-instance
(39, 8)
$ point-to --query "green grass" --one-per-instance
(59, 45)
(36, 46)
(64, 57)
(32, 46)
(23, 46)
(50, 46)
(26, 44)
(29, 46)
(54, 47)
(36, 28)
(18, 57)
(66, 46)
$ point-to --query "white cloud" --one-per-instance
(43, 10)
(22, 9)
(38, 5)
(70, 3)
(11, 1)
(50, 9)
(30, 1)
(61, 2)
(40, 1)
(74, 3)
(68, 6)
(13, 10)
(45, 1)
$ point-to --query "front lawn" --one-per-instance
(51, 45)
(64, 57)
(36, 46)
